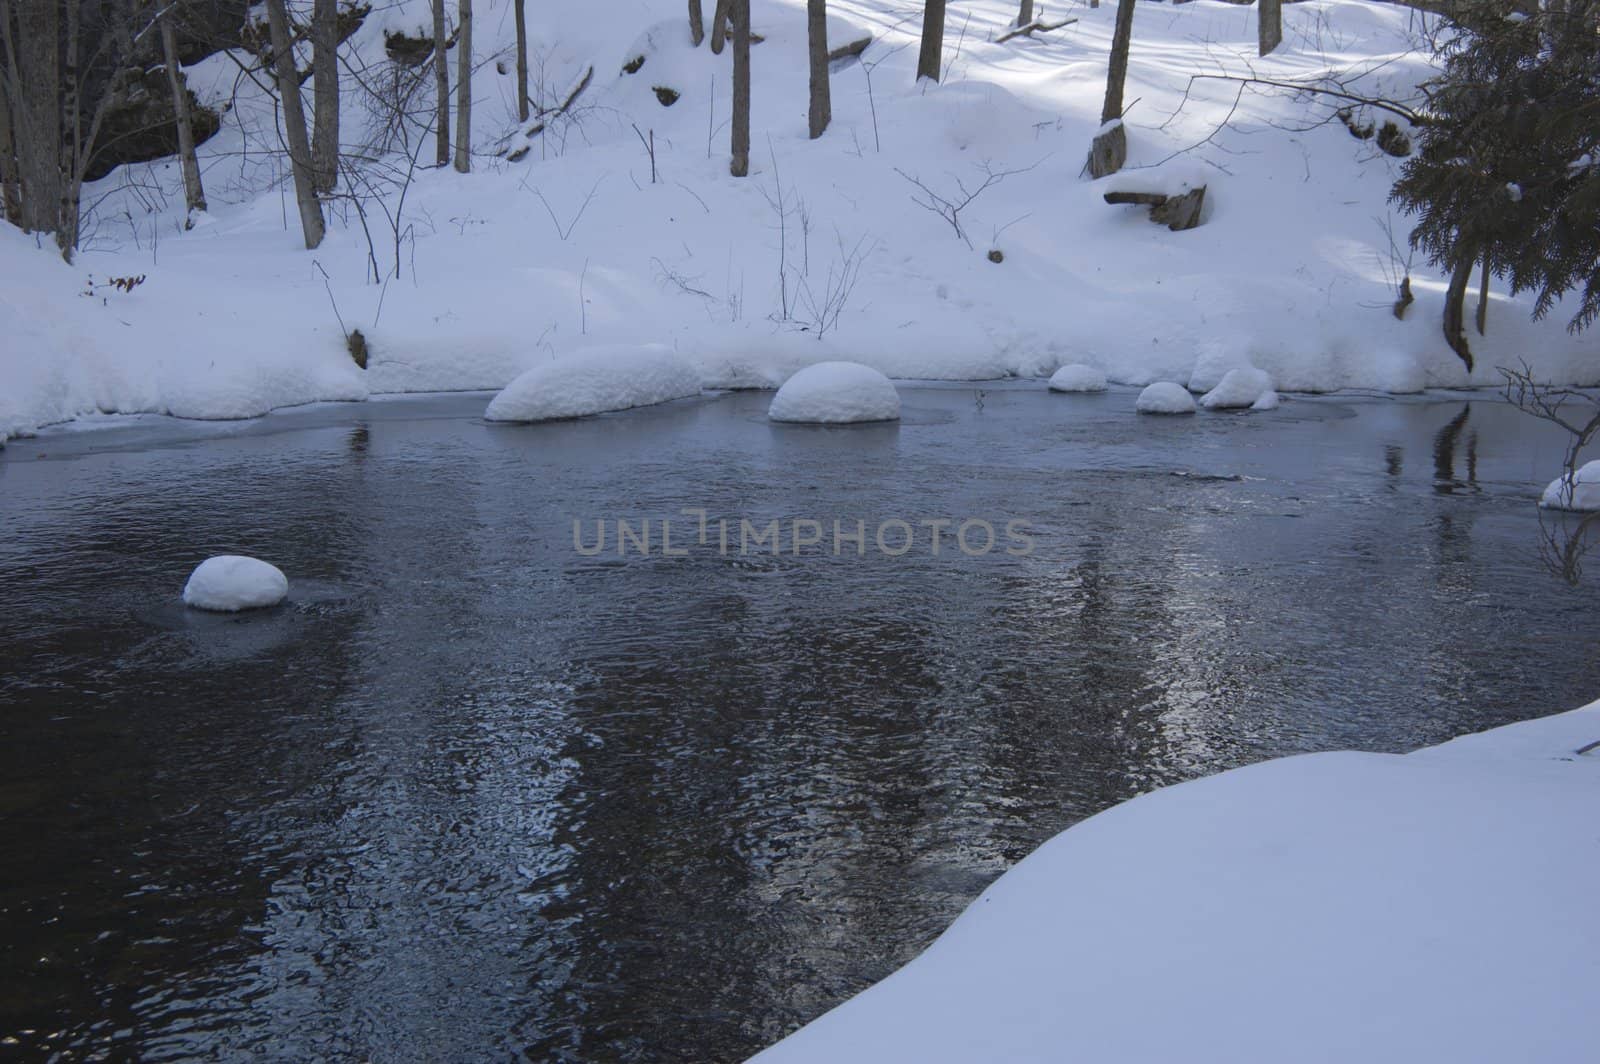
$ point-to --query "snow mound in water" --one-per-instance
(1078, 378)
(229, 583)
(1267, 401)
(1238, 388)
(594, 381)
(836, 393)
(1165, 397)
(1579, 492)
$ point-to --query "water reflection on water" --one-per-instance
(470, 794)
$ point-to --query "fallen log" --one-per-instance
(1038, 25)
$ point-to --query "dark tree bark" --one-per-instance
(325, 94)
(10, 187)
(1455, 310)
(294, 120)
(194, 193)
(72, 148)
(441, 86)
(719, 26)
(522, 60)
(931, 58)
(740, 164)
(1269, 16)
(1110, 148)
(817, 36)
(464, 87)
(1025, 14)
(697, 26)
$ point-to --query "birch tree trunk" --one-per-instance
(719, 26)
(294, 120)
(441, 85)
(464, 87)
(817, 36)
(522, 60)
(931, 57)
(1269, 25)
(697, 27)
(325, 94)
(194, 194)
(740, 164)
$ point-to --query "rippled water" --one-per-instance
(470, 794)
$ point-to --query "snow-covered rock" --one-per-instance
(1078, 378)
(229, 583)
(1238, 388)
(1165, 397)
(1268, 400)
(836, 393)
(1579, 492)
(1437, 906)
(594, 381)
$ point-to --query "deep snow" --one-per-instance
(229, 583)
(594, 381)
(836, 393)
(1436, 906)
(489, 274)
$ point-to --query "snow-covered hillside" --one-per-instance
(1330, 907)
(574, 245)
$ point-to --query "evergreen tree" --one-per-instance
(1507, 169)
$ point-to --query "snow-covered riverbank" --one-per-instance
(1333, 907)
(488, 274)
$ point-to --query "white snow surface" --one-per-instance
(594, 381)
(229, 583)
(836, 393)
(518, 263)
(1077, 377)
(1238, 388)
(1436, 906)
(1165, 397)
(1267, 400)
(1579, 491)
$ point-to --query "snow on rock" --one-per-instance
(1580, 491)
(1165, 397)
(836, 393)
(594, 381)
(1078, 378)
(1437, 906)
(1238, 388)
(1268, 400)
(229, 583)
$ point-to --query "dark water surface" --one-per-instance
(472, 795)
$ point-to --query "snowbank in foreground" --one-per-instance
(1574, 491)
(595, 381)
(229, 583)
(836, 393)
(1330, 907)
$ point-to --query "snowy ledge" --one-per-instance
(1330, 907)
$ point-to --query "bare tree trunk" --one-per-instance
(194, 194)
(464, 87)
(697, 26)
(1110, 148)
(10, 186)
(32, 71)
(1269, 16)
(1483, 298)
(1455, 311)
(1025, 14)
(740, 165)
(71, 152)
(325, 97)
(441, 85)
(931, 58)
(294, 120)
(817, 34)
(719, 26)
(522, 60)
